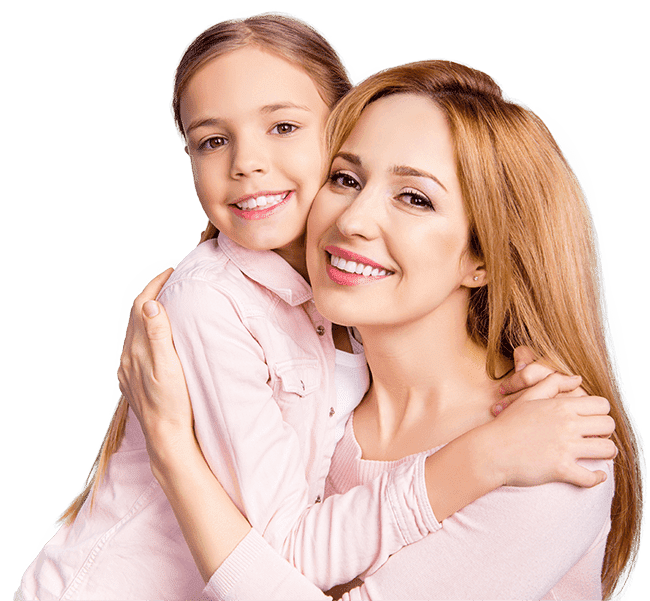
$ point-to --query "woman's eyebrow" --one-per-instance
(410, 171)
(355, 159)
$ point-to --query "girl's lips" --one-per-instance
(260, 212)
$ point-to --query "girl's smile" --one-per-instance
(257, 152)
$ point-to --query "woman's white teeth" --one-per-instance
(261, 201)
(354, 267)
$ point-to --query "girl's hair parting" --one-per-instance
(288, 38)
(530, 224)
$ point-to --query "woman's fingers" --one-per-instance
(161, 344)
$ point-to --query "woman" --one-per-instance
(468, 205)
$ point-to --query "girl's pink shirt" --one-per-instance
(259, 363)
(540, 542)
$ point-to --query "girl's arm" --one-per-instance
(197, 511)
(256, 456)
(513, 543)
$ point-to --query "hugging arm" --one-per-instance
(256, 457)
(151, 378)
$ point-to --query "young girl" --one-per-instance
(251, 99)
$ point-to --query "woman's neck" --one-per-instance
(429, 385)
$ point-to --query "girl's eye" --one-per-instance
(212, 143)
(344, 180)
(284, 128)
(415, 199)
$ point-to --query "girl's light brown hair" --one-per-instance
(285, 37)
(530, 224)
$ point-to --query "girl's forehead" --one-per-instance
(249, 77)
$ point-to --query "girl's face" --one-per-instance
(388, 233)
(254, 127)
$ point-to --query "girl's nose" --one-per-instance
(248, 158)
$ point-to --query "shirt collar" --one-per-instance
(268, 269)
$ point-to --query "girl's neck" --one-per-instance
(294, 254)
(429, 386)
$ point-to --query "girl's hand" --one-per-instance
(151, 377)
(541, 441)
(527, 372)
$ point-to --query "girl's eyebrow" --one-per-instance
(265, 110)
(271, 108)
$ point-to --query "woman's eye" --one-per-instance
(212, 143)
(284, 128)
(415, 199)
(344, 180)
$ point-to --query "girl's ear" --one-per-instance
(186, 150)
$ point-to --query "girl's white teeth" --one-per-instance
(261, 201)
(354, 267)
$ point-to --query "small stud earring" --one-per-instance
(476, 278)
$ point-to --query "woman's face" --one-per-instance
(254, 125)
(388, 233)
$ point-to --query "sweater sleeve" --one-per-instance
(513, 543)
(257, 456)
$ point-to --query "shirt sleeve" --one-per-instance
(514, 543)
(257, 457)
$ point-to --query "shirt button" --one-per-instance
(320, 330)
(318, 499)
(332, 412)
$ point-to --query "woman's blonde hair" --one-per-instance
(288, 38)
(530, 225)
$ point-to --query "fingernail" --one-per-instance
(603, 478)
(520, 366)
(498, 409)
(150, 309)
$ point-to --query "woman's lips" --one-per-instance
(261, 205)
(351, 269)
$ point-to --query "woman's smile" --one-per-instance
(388, 233)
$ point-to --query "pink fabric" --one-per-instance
(542, 542)
(259, 363)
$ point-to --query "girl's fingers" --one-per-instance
(596, 425)
(523, 356)
(597, 448)
(581, 476)
(591, 405)
(551, 386)
(525, 378)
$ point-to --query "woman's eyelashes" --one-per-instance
(415, 199)
(343, 179)
(410, 197)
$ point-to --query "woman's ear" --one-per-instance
(476, 278)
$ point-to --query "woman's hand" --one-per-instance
(151, 377)
(541, 441)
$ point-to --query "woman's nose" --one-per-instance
(361, 217)
(248, 158)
